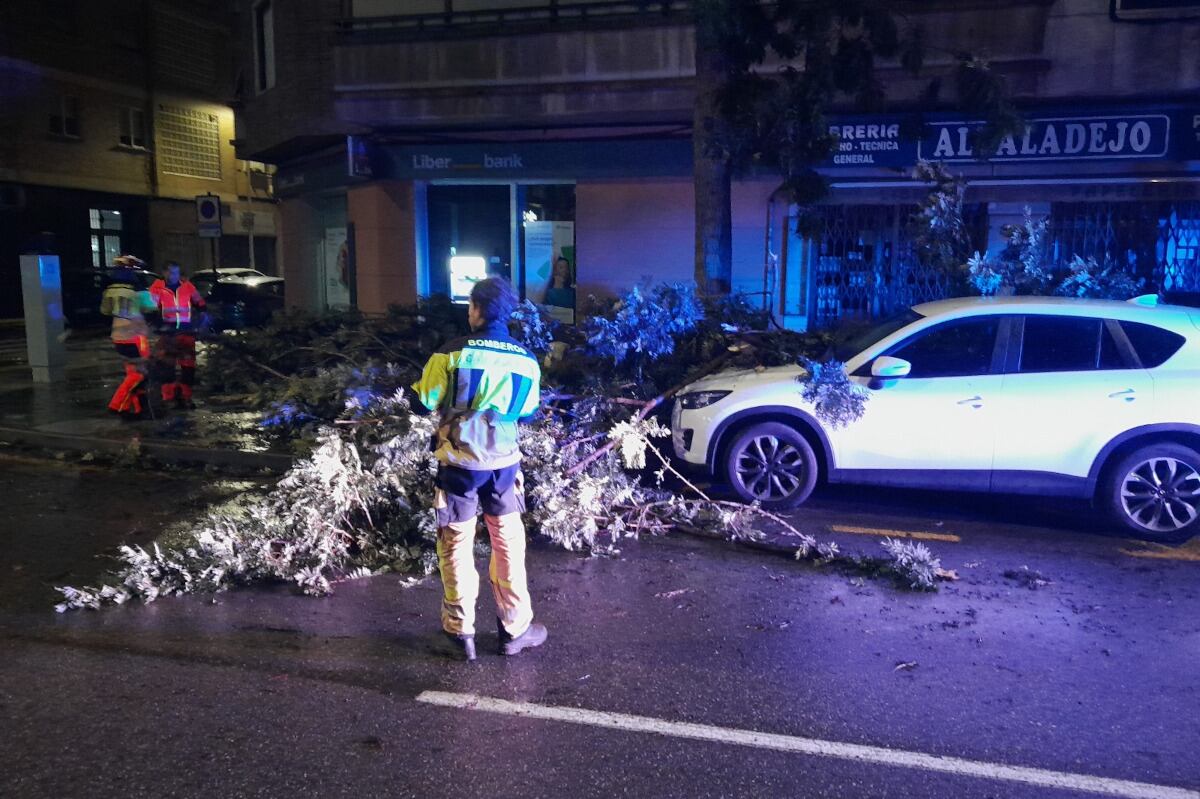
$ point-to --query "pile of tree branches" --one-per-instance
(359, 501)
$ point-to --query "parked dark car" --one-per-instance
(143, 278)
(234, 304)
(204, 279)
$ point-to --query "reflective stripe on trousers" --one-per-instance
(460, 581)
(175, 348)
(130, 395)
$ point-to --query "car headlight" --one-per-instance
(701, 399)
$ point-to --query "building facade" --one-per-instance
(420, 143)
(116, 116)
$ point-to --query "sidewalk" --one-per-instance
(73, 415)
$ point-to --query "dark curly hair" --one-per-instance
(495, 299)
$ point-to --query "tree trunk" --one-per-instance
(712, 176)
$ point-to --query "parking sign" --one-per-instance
(208, 216)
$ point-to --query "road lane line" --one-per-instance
(1188, 551)
(811, 746)
(884, 533)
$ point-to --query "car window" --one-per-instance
(1110, 353)
(1152, 344)
(846, 348)
(1060, 344)
(955, 349)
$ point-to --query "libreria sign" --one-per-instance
(1056, 138)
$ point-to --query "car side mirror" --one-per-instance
(887, 367)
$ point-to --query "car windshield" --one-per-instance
(859, 339)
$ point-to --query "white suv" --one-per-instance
(1021, 395)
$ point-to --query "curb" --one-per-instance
(163, 450)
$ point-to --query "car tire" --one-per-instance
(1154, 492)
(772, 464)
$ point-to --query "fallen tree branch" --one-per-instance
(391, 353)
(319, 351)
(265, 368)
(648, 407)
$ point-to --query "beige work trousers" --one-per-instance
(460, 581)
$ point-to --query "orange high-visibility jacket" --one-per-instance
(176, 306)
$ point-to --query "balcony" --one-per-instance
(371, 20)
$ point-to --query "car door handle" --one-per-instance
(1129, 395)
(974, 402)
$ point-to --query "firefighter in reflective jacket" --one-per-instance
(176, 296)
(128, 303)
(483, 385)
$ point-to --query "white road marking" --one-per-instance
(813, 746)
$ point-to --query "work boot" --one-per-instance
(461, 646)
(534, 635)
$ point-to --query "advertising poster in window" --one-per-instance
(539, 252)
(337, 269)
(550, 268)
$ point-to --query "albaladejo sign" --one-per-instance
(1055, 139)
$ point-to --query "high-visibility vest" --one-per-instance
(483, 384)
(126, 304)
(176, 306)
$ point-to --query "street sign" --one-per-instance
(208, 216)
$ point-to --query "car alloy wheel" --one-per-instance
(1154, 492)
(1161, 494)
(771, 463)
(770, 469)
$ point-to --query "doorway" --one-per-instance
(470, 236)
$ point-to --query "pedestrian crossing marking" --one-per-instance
(885, 533)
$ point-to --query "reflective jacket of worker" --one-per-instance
(128, 302)
(176, 297)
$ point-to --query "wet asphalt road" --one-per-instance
(263, 693)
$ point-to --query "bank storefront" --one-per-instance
(566, 218)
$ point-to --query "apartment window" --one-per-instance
(133, 128)
(264, 46)
(64, 119)
(106, 236)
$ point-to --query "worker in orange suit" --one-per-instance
(176, 297)
(128, 302)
